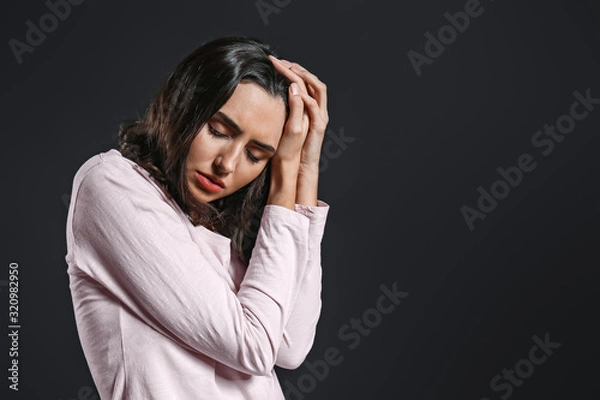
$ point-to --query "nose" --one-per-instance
(227, 160)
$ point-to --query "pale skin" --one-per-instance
(315, 118)
(229, 145)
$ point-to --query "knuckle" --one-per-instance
(295, 129)
(312, 102)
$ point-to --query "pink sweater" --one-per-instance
(165, 310)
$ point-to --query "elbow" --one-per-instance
(291, 360)
(286, 359)
(257, 358)
(291, 356)
(290, 363)
(260, 367)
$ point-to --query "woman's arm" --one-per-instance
(131, 241)
(300, 331)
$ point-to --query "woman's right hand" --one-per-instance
(294, 131)
(285, 163)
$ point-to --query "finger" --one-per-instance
(284, 69)
(318, 88)
(313, 111)
(295, 121)
(305, 122)
(291, 75)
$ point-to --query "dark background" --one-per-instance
(422, 145)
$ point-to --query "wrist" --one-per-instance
(282, 190)
(307, 188)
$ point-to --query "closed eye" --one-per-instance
(215, 132)
(218, 134)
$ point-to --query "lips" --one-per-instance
(209, 183)
(214, 180)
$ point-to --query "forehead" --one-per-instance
(257, 113)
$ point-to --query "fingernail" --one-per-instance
(294, 87)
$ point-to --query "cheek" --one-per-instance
(253, 173)
(202, 148)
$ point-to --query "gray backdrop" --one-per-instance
(462, 173)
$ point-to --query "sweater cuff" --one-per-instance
(319, 211)
(317, 216)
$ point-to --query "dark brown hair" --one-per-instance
(195, 90)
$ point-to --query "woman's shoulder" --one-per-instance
(110, 170)
(108, 160)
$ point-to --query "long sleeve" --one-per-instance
(133, 243)
(300, 331)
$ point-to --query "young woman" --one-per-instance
(193, 250)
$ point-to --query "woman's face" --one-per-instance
(236, 143)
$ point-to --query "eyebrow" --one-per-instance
(239, 130)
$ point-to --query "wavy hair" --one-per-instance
(160, 140)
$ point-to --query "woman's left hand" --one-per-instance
(316, 115)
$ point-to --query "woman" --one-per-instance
(194, 250)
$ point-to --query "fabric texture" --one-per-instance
(165, 310)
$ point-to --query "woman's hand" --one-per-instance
(314, 112)
(294, 131)
(315, 118)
